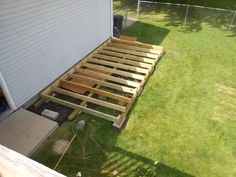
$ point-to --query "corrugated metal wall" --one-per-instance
(41, 39)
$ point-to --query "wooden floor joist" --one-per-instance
(111, 77)
(129, 57)
(70, 85)
(114, 71)
(123, 60)
(118, 65)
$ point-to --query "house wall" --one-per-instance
(41, 39)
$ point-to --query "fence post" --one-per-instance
(126, 18)
(138, 9)
(232, 21)
(186, 15)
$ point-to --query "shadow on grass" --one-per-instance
(94, 153)
(196, 18)
(124, 163)
(147, 33)
(129, 5)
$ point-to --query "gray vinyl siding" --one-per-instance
(41, 39)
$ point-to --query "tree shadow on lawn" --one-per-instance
(196, 18)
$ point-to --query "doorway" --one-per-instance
(7, 106)
(5, 110)
(3, 102)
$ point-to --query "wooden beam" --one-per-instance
(70, 85)
(122, 66)
(108, 77)
(139, 44)
(89, 99)
(106, 84)
(135, 48)
(84, 109)
(114, 71)
(123, 60)
(130, 57)
(74, 114)
(127, 51)
(128, 38)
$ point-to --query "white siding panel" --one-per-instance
(41, 39)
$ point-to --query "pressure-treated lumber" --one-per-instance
(105, 84)
(123, 60)
(126, 51)
(89, 99)
(108, 77)
(123, 55)
(131, 68)
(70, 85)
(115, 71)
(111, 77)
(135, 48)
(139, 44)
(128, 38)
(75, 106)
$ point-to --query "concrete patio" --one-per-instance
(24, 131)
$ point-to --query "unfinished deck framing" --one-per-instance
(111, 77)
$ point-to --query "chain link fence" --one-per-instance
(192, 17)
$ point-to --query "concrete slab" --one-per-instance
(128, 22)
(50, 114)
(24, 131)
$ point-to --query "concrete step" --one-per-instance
(24, 131)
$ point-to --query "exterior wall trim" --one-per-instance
(7, 93)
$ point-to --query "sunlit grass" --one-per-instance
(182, 125)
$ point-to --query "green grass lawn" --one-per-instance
(184, 123)
(225, 4)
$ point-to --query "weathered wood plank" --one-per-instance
(139, 44)
(115, 71)
(135, 48)
(118, 65)
(128, 38)
(106, 84)
(108, 77)
(89, 99)
(84, 109)
(15, 164)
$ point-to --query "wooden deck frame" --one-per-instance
(117, 71)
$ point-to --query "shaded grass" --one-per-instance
(172, 131)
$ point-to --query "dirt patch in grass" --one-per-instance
(60, 146)
(225, 89)
(225, 104)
